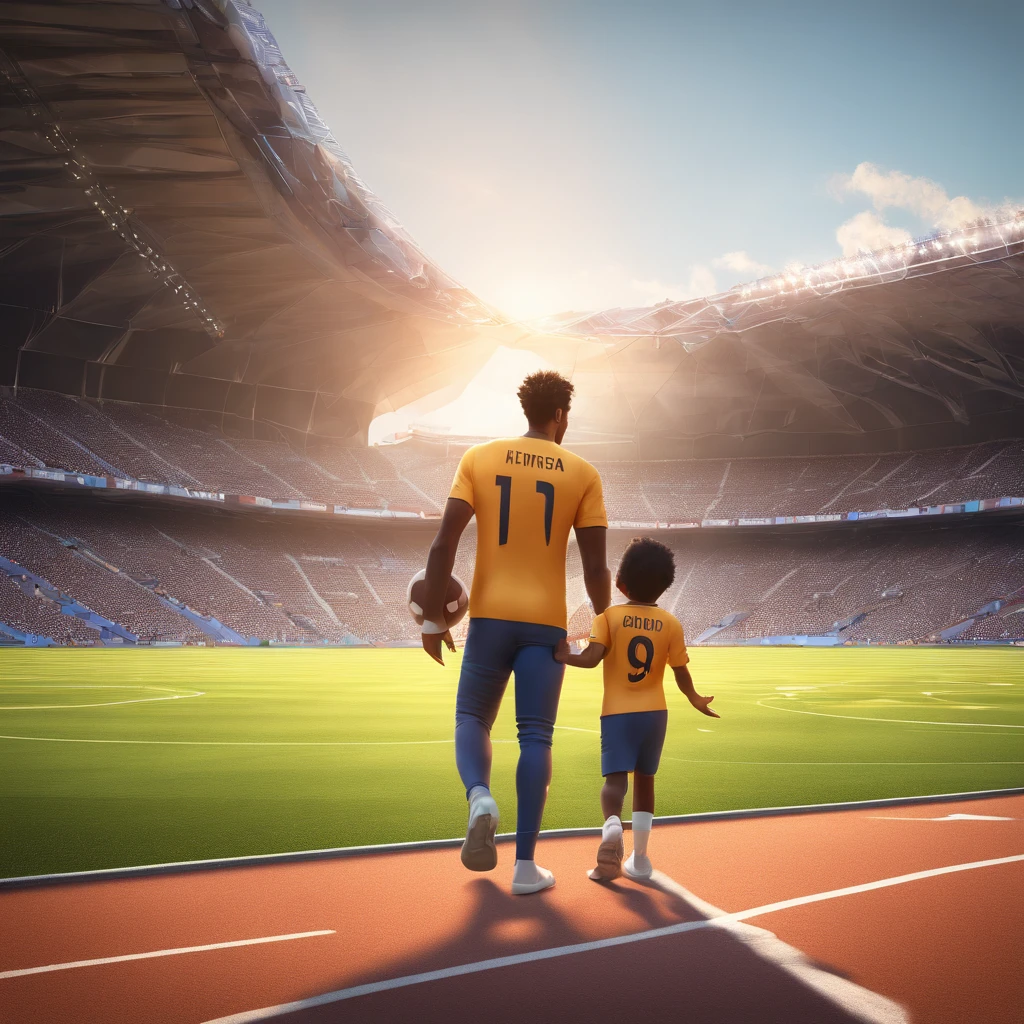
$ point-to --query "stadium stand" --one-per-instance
(39, 428)
(38, 615)
(316, 582)
(78, 572)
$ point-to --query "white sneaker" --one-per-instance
(609, 856)
(478, 851)
(528, 877)
(638, 867)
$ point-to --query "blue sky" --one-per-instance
(565, 155)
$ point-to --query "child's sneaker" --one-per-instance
(609, 853)
(638, 866)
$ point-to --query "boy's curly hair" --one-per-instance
(544, 392)
(646, 570)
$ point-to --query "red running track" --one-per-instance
(945, 948)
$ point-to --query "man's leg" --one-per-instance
(538, 687)
(482, 682)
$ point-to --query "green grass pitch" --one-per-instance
(197, 753)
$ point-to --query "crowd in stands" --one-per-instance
(314, 582)
(188, 450)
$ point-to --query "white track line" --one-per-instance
(175, 695)
(891, 721)
(724, 920)
(948, 817)
(826, 764)
(162, 952)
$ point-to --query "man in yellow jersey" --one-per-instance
(636, 641)
(527, 494)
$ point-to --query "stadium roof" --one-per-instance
(180, 228)
(912, 347)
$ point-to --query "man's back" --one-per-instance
(527, 493)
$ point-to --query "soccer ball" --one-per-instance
(456, 599)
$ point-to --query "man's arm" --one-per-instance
(440, 562)
(593, 541)
(590, 657)
(685, 683)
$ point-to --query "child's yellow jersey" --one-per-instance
(528, 493)
(641, 640)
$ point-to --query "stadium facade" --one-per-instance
(204, 307)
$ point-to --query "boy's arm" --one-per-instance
(685, 684)
(589, 657)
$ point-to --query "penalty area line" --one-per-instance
(163, 952)
(722, 921)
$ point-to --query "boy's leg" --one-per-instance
(639, 864)
(643, 792)
(613, 794)
(482, 682)
(609, 853)
(643, 816)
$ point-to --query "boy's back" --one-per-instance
(640, 640)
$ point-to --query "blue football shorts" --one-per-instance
(632, 742)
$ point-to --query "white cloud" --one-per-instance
(922, 197)
(866, 231)
(741, 262)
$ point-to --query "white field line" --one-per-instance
(890, 721)
(245, 743)
(721, 921)
(162, 952)
(102, 704)
(256, 743)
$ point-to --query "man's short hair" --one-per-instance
(647, 569)
(542, 393)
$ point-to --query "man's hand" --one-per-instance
(562, 651)
(432, 644)
(702, 704)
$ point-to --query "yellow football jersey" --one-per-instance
(641, 640)
(528, 493)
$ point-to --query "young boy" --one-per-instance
(635, 640)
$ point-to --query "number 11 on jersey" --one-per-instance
(504, 484)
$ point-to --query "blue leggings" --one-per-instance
(495, 648)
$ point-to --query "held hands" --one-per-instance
(562, 651)
(702, 704)
(432, 644)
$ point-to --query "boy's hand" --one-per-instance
(562, 651)
(702, 704)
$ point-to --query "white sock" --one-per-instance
(526, 871)
(612, 825)
(476, 795)
(642, 822)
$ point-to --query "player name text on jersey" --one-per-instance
(517, 458)
(639, 622)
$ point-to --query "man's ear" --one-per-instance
(558, 415)
(620, 588)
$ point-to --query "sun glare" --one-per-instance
(487, 406)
